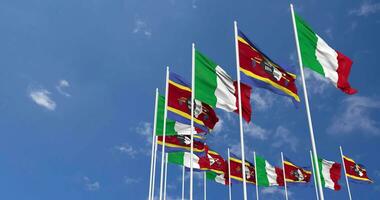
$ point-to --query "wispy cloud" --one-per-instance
(62, 85)
(130, 180)
(194, 4)
(42, 98)
(274, 191)
(355, 114)
(329, 33)
(145, 129)
(142, 28)
(91, 185)
(283, 137)
(256, 131)
(366, 8)
(127, 149)
(316, 83)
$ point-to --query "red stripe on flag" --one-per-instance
(280, 176)
(245, 99)
(335, 175)
(344, 68)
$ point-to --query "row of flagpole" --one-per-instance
(314, 155)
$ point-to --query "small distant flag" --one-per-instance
(182, 143)
(215, 87)
(183, 158)
(179, 105)
(296, 174)
(355, 171)
(318, 56)
(236, 171)
(217, 162)
(219, 178)
(268, 175)
(259, 70)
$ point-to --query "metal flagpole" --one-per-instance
(314, 148)
(345, 173)
(283, 171)
(192, 117)
(204, 186)
(166, 174)
(154, 166)
(183, 182)
(315, 178)
(164, 132)
(229, 176)
(154, 136)
(257, 185)
(240, 111)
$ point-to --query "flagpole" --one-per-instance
(229, 176)
(315, 178)
(257, 185)
(204, 186)
(166, 174)
(192, 117)
(283, 171)
(345, 173)
(314, 148)
(183, 182)
(154, 167)
(240, 111)
(164, 132)
(153, 135)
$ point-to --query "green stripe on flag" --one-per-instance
(320, 165)
(160, 119)
(205, 79)
(176, 158)
(308, 44)
(262, 177)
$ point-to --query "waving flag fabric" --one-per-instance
(183, 158)
(259, 70)
(267, 175)
(296, 174)
(179, 105)
(219, 178)
(181, 143)
(215, 87)
(217, 162)
(236, 171)
(355, 171)
(318, 56)
(330, 174)
(172, 127)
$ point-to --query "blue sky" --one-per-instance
(77, 88)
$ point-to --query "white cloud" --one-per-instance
(127, 149)
(262, 100)
(274, 191)
(141, 27)
(41, 97)
(129, 180)
(62, 84)
(316, 83)
(145, 129)
(194, 4)
(255, 131)
(356, 115)
(329, 33)
(91, 185)
(366, 8)
(283, 137)
(219, 126)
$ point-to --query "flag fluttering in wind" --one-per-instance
(217, 162)
(219, 178)
(179, 105)
(215, 87)
(355, 171)
(236, 171)
(259, 70)
(296, 174)
(268, 175)
(183, 158)
(182, 143)
(172, 127)
(318, 56)
(330, 174)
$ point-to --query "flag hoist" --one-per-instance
(163, 133)
(240, 111)
(313, 145)
(283, 170)
(345, 173)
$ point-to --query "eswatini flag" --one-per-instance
(259, 70)
(236, 171)
(296, 174)
(318, 56)
(179, 105)
(330, 173)
(355, 171)
(216, 88)
(181, 143)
